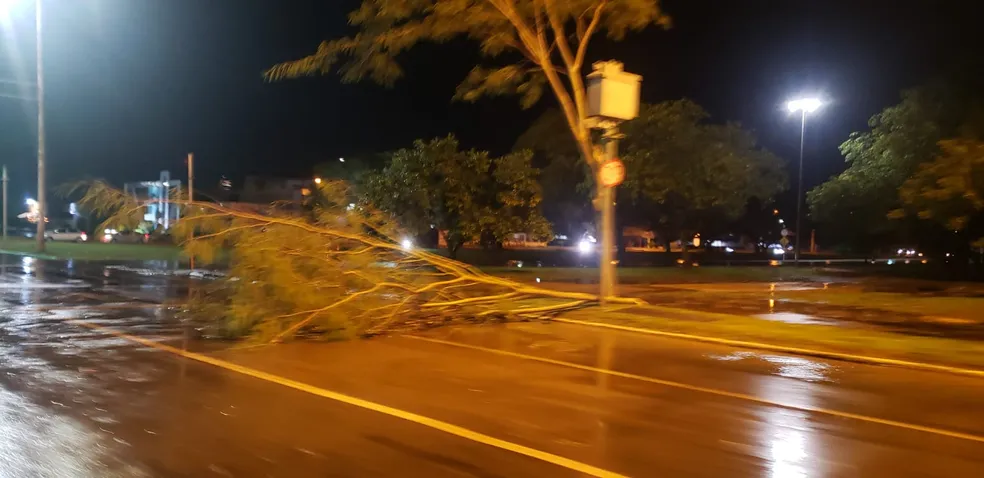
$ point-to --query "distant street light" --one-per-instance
(804, 106)
(5, 7)
(341, 160)
(317, 180)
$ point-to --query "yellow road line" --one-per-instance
(358, 402)
(782, 348)
(713, 391)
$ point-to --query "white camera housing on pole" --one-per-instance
(613, 94)
(613, 97)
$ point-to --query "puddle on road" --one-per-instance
(805, 313)
(784, 366)
(795, 318)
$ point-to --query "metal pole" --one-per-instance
(42, 202)
(191, 177)
(607, 262)
(799, 193)
(5, 202)
(191, 197)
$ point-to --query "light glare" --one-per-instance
(808, 105)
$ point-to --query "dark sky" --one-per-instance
(133, 85)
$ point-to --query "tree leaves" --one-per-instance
(465, 193)
(859, 204)
(950, 189)
(548, 39)
(679, 168)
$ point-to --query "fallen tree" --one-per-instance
(330, 268)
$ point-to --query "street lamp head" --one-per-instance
(807, 105)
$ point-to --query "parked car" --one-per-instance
(65, 235)
(128, 237)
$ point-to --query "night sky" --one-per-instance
(133, 85)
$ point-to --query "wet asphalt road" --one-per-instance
(77, 402)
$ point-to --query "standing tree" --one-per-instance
(694, 175)
(855, 203)
(465, 195)
(685, 174)
(548, 40)
(563, 174)
(950, 189)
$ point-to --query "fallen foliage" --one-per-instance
(330, 267)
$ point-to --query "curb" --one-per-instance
(781, 348)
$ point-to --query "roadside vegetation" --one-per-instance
(93, 251)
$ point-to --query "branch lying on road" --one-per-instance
(329, 269)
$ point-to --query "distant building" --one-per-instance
(161, 212)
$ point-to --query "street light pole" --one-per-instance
(799, 193)
(42, 201)
(804, 106)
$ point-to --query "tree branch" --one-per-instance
(560, 36)
(586, 37)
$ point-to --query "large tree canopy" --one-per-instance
(855, 204)
(950, 189)
(466, 195)
(682, 173)
(533, 45)
(693, 174)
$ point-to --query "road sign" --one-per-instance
(784, 232)
(784, 241)
(612, 173)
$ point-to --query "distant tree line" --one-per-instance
(915, 177)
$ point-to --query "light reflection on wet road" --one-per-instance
(75, 402)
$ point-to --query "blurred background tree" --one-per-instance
(683, 174)
(853, 206)
(464, 195)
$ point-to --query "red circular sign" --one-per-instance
(612, 173)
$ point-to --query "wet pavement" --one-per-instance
(78, 402)
(779, 302)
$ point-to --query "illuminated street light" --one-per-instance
(5, 7)
(804, 106)
(808, 105)
(341, 160)
(317, 180)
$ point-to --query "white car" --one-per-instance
(65, 235)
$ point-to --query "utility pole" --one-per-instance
(42, 202)
(191, 177)
(191, 197)
(5, 202)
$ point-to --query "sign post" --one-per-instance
(613, 97)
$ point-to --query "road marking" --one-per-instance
(782, 348)
(358, 402)
(713, 391)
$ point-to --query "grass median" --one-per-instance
(93, 251)
(825, 338)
